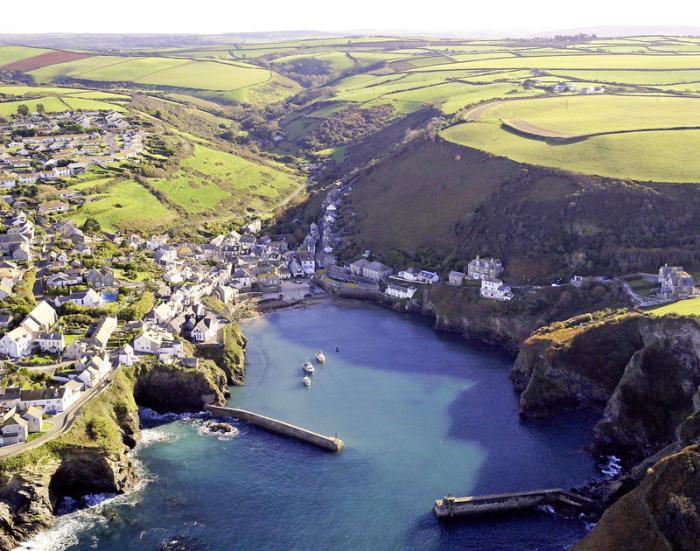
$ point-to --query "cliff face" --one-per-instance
(165, 388)
(507, 324)
(663, 512)
(644, 370)
(92, 457)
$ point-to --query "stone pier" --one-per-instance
(331, 443)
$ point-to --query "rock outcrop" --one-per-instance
(166, 388)
(662, 513)
(644, 370)
(91, 457)
(507, 324)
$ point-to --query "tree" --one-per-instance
(22, 110)
(40, 108)
(91, 226)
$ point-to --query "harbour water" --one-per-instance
(421, 414)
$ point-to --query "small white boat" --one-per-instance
(320, 357)
(307, 381)
(308, 368)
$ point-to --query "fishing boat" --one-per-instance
(307, 381)
(320, 357)
(308, 368)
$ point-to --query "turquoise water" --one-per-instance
(421, 413)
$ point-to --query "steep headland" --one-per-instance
(661, 513)
(644, 371)
(92, 456)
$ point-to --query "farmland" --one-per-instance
(643, 122)
(125, 205)
(210, 179)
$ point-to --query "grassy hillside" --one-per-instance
(660, 156)
(226, 80)
(438, 204)
(210, 180)
(125, 205)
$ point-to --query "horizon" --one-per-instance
(509, 19)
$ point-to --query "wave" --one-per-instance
(150, 418)
(75, 516)
(612, 468)
(78, 515)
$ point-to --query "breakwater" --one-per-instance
(332, 443)
(451, 507)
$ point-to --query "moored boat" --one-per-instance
(320, 357)
(308, 368)
(307, 381)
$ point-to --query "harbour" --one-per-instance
(414, 429)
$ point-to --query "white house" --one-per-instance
(88, 299)
(13, 429)
(308, 263)
(17, 343)
(34, 417)
(126, 355)
(103, 331)
(53, 343)
(399, 292)
(455, 278)
(53, 400)
(157, 341)
(495, 289)
(205, 329)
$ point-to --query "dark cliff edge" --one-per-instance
(507, 325)
(643, 371)
(643, 374)
(93, 455)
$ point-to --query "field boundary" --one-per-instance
(520, 128)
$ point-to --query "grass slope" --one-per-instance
(125, 205)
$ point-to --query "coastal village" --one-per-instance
(77, 304)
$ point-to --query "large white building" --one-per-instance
(495, 289)
(399, 292)
(20, 341)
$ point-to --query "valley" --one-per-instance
(537, 194)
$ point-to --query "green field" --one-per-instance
(126, 205)
(52, 104)
(581, 115)
(688, 307)
(57, 104)
(227, 81)
(618, 62)
(10, 54)
(210, 180)
(660, 156)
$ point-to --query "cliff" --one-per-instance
(230, 357)
(661, 513)
(91, 457)
(643, 370)
(507, 324)
(165, 388)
